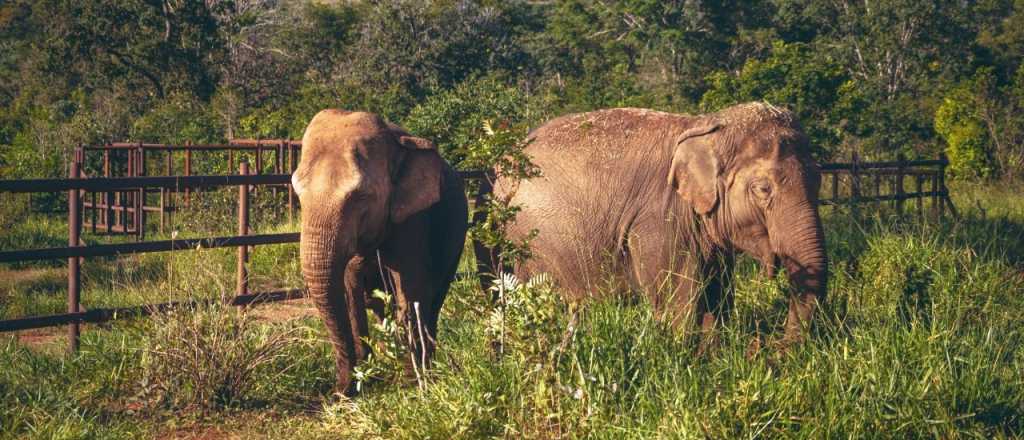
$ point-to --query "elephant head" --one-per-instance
(358, 177)
(748, 171)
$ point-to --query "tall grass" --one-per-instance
(921, 337)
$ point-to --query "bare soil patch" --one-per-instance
(284, 310)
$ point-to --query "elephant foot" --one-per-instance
(754, 348)
(708, 335)
(708, 343)
(347, 389)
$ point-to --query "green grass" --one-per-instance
(921, 337)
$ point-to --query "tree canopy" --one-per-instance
(876, 77)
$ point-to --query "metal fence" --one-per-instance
(77, 187)
(849, 183)
(125, 211)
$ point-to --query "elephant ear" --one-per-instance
(417, 183)
(695, 168)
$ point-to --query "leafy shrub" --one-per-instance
(455, 119)
(527, 317)
(967, 142)
(289, 119)
(179, 118)
(793, 75)
(386, 361)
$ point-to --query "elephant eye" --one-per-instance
(761, 188)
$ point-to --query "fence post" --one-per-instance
(140, 204)
(942, 184)
(242, 284)
(835, 188)
(279, 163)
(188, 170)
(878, 189)
(163, 191)
(900, 165)
(108, 212)
(291, 190)
(918, 187)
(74, 269)
(854, 183)
(278, 169)
(259, 166)
(94, 212)
(128, 198)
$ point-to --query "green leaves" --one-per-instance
(457, 120)
(794, 76)
(958, 120)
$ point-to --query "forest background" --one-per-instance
(877, 78)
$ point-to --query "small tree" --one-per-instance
(968, 144)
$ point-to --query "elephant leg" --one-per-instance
(716, 303)
(673, 292)
(407, 259)
(414, 310)
(361, 278)
(336, 307)
(447, 242)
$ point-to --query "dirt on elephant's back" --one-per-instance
(609, 128)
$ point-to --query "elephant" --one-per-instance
(380, 207)
(662, 203)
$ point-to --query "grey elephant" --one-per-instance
(376, 203)
(663, 202)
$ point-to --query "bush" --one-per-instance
(793, 76)
(209, 356)
(454, 119)
(289, 119)
(179, 118)
(967, 142)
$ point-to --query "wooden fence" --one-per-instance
(855, 182)
(843, 182)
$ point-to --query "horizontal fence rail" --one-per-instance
(101, 184)
(118, 203)
(103, 250)
(235, 144)
(878, 165)
(104, 315)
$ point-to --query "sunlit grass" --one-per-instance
(921, 337)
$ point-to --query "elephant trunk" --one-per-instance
(325, 251)
(801, 250)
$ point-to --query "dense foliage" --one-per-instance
(875, 77)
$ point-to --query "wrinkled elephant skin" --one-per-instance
(380, 208)
(663, 202)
